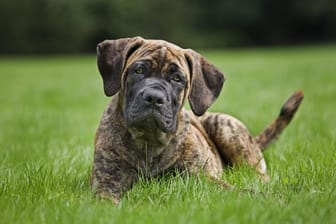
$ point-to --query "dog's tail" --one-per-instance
(273, 131)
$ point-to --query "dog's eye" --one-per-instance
(176, 78)
(139, 70)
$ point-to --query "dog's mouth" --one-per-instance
(150, 120)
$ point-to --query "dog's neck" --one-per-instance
(158, 145)
(152, 158)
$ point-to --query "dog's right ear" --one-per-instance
(111, 58)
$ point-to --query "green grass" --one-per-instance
(50, 108)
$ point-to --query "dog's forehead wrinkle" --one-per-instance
(162, 56)
(160, 53)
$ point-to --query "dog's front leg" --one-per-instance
(111, 176)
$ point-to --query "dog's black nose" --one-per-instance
(153, 97)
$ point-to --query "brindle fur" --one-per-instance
(204, 143)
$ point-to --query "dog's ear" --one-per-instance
(111, 58)
(206, 82)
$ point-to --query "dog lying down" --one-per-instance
(146, 131)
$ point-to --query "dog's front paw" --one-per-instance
(105, 196)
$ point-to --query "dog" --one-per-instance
(145, 130)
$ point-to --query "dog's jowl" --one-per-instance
(145, 131)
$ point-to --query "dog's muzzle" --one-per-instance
(152, 108)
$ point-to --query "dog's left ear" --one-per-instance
(206, 82)
(111, 58)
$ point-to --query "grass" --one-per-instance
(50, 108)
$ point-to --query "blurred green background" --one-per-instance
(63, 26)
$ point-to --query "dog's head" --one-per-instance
(154, 78)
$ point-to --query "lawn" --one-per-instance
(50, 108)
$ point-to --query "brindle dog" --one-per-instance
(145, 131)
